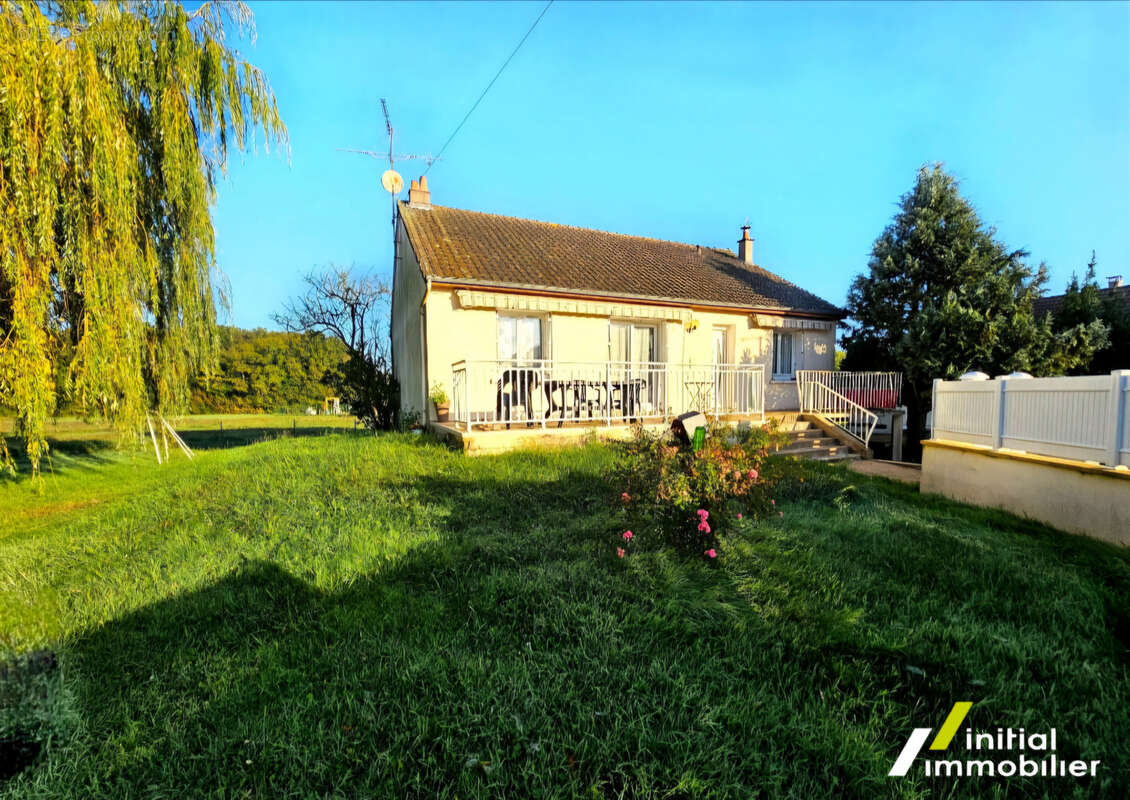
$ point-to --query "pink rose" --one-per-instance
(625, 497)
(704, 526)
(774, 502)
(780, 513)
(739, 516)
(620, 552)
(711, 553)
(628, 535)
(753, 474)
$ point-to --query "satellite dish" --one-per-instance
(392, 181)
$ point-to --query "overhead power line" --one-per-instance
(492, 80)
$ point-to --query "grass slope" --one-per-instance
(351, 615)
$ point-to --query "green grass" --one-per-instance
(377, 616)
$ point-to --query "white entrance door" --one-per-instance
(720, 345)
(722, 381)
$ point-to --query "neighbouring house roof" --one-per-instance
(488, 249)
(1051, 304)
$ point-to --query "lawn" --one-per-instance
(349, 615)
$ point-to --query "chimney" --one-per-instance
(745, 246)
(1114, 281)
(418, 194)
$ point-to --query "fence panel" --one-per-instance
(1124, 412)
(1063, 417)
(1086, 418)
(965, 411)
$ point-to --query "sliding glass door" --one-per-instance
(633, 349)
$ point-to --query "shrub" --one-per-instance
(367, 386)
(673, 495)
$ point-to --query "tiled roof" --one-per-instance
(1044, 305)
(476, 248)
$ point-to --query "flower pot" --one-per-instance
(442, 411)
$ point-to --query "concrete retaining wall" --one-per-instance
(1074, 496)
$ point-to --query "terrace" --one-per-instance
(501, 403)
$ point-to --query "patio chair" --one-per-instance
(515, 388)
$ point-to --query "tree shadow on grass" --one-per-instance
(63, 455)
(511, 654)
(69, 454)
(217, 439)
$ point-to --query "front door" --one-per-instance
(722, 379)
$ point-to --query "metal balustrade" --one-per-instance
(550, 393)
(875, 390)
(843, 412)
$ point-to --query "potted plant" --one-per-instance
(439, 398)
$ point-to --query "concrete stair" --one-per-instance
(808, 441)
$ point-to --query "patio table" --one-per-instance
(588, 395)
(699, 392)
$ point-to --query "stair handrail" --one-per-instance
(819, 398)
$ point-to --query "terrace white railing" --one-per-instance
(846, 398)
(841, 411)
(875, 390)
(1086, 418)
(547, 393)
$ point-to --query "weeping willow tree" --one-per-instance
(115, 123)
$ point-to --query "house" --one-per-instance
(1114, 289)
(525, 323)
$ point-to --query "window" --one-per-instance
(519, 338)
(629, 343)
(783, 348)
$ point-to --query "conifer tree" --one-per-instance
(943, 296)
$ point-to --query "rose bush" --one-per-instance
(669, 494)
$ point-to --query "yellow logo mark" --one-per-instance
(950, 726)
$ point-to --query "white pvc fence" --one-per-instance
(1086, 418)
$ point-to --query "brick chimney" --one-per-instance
(745, 246)
(418, 194)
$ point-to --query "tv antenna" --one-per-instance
(391, 180)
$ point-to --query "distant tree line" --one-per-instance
(262, 370)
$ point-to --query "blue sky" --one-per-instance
(678, 121)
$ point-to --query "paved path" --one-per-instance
(907, 473)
